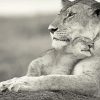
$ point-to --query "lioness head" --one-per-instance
(76, 19)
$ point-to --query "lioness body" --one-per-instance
(58, 70)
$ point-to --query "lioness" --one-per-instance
(77, 19)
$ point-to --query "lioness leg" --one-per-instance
(84, 82)
(34, 70)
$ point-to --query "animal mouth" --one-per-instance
(65, 40)
(88, 51)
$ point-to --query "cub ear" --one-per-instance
(96, 8)
(97, 12)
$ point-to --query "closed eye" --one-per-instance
(70, 14)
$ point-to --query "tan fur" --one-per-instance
(73, 65)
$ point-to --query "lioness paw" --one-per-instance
(6, 85)
(14, 87)
(2, 87)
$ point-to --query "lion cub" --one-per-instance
(54, 62)
(61, 61)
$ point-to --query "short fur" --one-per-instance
(62, 68)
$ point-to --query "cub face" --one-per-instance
(75, 21)
(81, 47)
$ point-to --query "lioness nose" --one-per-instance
(52, 29)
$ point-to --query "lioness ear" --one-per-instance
(66, 3)
(69, 3)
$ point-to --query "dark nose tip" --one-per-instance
(52, 29)
(91, 45)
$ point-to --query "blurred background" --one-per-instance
(24, 33)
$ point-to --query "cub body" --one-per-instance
(61, 62)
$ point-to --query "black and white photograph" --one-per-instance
(49, 49)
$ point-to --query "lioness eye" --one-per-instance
(71, 14)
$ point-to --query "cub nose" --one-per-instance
(91, 45)
(52, 29)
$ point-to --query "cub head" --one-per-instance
(80, 47)
(76, 19)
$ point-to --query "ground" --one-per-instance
(43, 95)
